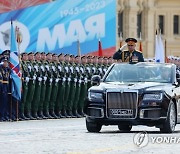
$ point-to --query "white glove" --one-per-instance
(36, 68)
(45, 78)
(71, 68)
(27, 79)
(80, 80)
(82, 70)
(69, 79)
(29, 67)
(53, 68)
(88, 69)
(64, 79)
(47, 67)
(34, 77)
(85, 80)
(50, 80)
(77, 69)
(123, 47)
(39, 79)
(42, 68)
(75, 80)
(59, 67)
(67, 69)
(56, 80)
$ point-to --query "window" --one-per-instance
(176, 24)
(161, 23)
(139, 24)
(120, 22)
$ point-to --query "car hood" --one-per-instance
(140, 86)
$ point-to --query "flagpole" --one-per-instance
(19, 41)
(165, 52)
(120, 37)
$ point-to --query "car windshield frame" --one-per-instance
(140, 72)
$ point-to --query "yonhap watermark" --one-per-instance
(165, 139)
(142, 139)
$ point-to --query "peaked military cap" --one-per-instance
(66, 55)
(43, 53)
(83, 56)
(131, 40)
(30, 53)
(60, 54)
(54, 54)
(24, 53)
(6, 52)
(37, 53)
(49, 53)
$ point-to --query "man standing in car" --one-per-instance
(131, 55)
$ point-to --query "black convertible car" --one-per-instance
(134, 94)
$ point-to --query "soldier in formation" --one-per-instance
(55, 86)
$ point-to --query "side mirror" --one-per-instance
(96, 79)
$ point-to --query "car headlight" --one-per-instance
(95, 95)
(154, 97)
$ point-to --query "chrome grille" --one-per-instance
(122, 104)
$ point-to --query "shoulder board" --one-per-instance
(138, 51)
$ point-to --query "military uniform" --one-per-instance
(132, 56)
(49, 81)
(31, 89)
(72, 89)
(59, 105)
(55, 86)
(126, 56)
(43, 89)
(5, 106)
(37, 90)
(25, 81)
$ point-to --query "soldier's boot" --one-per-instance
(64, 113)
(40, 114)
(81, 112)
(46, 114)
(35, 115)
(69, 112)
(30, 116)
(53, 114)
(23, 117)
(77, 114)
(59, 114)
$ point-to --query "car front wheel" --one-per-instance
(93, 127)
(170, 123)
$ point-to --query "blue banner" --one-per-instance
(56, 26)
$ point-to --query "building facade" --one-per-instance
(141, 18)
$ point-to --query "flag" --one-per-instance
(100, 52)
(140, 43)
(15, 67)
(78, 48)
(140, 46)
(159, 49)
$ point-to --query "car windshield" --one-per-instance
(140, 73)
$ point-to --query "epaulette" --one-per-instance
(138, 51)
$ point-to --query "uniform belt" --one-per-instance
(5, 82)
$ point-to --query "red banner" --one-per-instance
(10, 5)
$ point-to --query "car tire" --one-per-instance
(170, 123)
(125, 128)
(93, 127)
